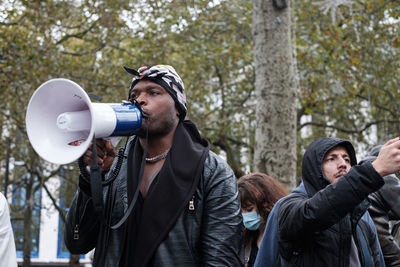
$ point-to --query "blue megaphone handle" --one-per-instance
(129, 119)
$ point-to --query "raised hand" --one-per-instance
(105, 154)
(388, 160)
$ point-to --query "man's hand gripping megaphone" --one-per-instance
(105, 155)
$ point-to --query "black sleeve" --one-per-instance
(222, 228)
(300, 215)
(82, 226)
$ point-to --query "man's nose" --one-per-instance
(141, 99)
(342, 163)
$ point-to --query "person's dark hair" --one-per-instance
(262, 190)
(165, 76)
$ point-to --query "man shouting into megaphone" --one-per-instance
(168, 199)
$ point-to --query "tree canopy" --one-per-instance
(346, 60)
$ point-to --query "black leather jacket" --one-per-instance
(209, 235)
(385, 207)
(317, 228)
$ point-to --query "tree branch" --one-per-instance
(77, 35)
(54, 201)
(14, 22)
(345, 130)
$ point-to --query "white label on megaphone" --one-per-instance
(74, 121)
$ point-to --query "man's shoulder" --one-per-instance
(299, 192)
(216, 168)
(391, 180)
(214, 161)
(293, 199)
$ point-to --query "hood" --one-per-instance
(312, 174)
(372, 155)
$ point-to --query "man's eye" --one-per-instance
(249, 208)
(132, 98)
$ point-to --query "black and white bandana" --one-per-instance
(168, 78)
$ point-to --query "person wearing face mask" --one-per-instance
(258, 194)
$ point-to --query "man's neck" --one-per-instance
(155, 147)
(158, 145)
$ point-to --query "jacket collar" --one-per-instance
(170, 191)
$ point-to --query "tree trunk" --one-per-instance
(275, 138)
(231, 157)
(28, 226)
(73, 260)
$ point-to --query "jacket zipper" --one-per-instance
(76, 232)
(191, 204)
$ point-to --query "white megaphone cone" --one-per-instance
(61, 121)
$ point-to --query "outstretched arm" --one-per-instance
(299, 215)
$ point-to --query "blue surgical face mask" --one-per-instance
(251, 220)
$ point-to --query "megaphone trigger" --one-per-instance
(76, 142)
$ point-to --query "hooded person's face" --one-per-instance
(336, 163)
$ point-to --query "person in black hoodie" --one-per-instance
(384, 210)
(186, 210)
(328, 224)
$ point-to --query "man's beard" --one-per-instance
(156, 129)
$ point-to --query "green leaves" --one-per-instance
(348, 67)
(355, 52)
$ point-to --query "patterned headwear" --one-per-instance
(168, 78)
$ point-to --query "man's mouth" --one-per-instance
(340, 174)
(145, 115)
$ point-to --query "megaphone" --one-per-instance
(61, 121)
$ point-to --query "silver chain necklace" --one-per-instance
(158, 157)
